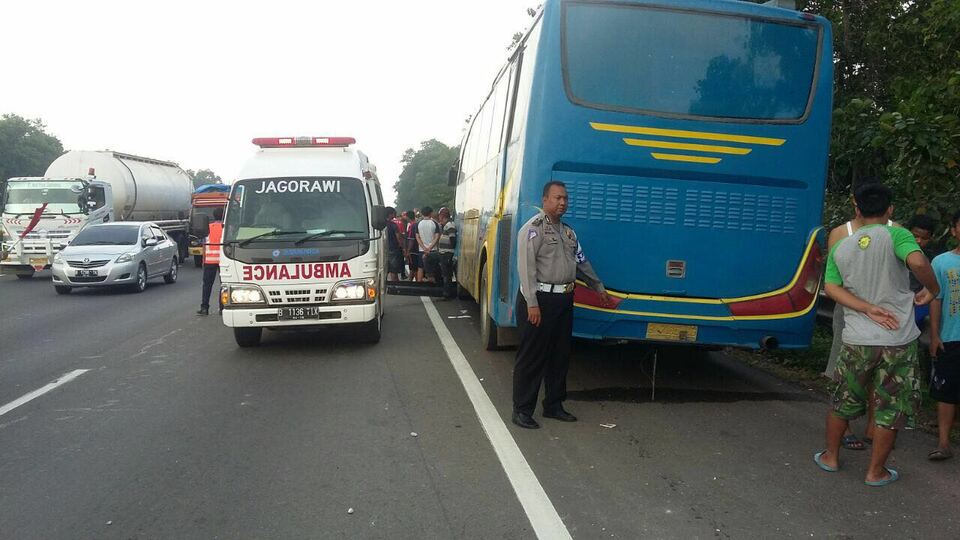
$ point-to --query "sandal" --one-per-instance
(894, 476)
(940, 454)
(851, 442)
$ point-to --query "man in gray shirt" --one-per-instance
(867, 273)
(550, 260)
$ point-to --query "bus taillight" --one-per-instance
(589, 297)
(799, 297)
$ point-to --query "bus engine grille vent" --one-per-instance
(731, 210)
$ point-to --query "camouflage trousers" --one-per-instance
(891, 372)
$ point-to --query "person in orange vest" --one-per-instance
(211, 259)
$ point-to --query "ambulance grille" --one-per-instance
(284, 296)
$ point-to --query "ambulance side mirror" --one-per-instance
(200, 225)
(453, 173)
(379, 217)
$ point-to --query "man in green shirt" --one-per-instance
(868, 273)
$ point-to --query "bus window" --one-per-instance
(724, 66)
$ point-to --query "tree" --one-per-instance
(423, 181)
(26, 149)
(203, 176)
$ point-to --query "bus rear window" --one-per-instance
(640, 59)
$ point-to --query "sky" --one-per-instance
(194, 81)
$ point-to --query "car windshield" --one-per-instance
(287, 210)
(26, 197)
(719, 66)
(109, 235)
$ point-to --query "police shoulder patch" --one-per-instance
(532, 234)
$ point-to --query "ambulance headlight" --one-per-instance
(354, 291)
(246, 295)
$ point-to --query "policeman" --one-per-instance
(211, 259)
(550, 259)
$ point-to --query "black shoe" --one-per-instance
(525, 421)
(203, 311)
(560, 414)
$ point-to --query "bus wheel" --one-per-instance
(488, 328)
(462, 293)
(247, 337)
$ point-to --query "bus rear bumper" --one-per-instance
(787, 333)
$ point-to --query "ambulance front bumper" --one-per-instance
(292, 316)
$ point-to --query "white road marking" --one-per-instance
(540, 511)
(41, 391)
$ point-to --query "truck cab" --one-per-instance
(302, 243)
(66, 205)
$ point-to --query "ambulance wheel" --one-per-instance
(61, 289)
(198, 261)
(488, 328)
(370, 330)
(171, 277)
(247, 337)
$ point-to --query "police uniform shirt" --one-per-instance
(550, 253)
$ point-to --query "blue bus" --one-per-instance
(692, 136)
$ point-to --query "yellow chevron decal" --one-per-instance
(681, 134)
(688, 146)
(688, 159)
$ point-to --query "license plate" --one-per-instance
(38, 263)
(298, 313)
(88, 273)
(671, 332)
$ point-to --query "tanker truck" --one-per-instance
(84, 187)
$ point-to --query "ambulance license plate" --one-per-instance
(298, 313)
(672, 332)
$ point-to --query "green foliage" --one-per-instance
(423, 181)
(897, 93)
(25, 147)
(203, 176)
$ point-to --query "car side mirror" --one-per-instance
(379, 217)
(200, 225)
(149, 242)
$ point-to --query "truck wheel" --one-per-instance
(198, 261)
(141, 284)
(247, 337)
(488, 328)
(62, 289)
(370, 330)
(25, 275)
(171, 276)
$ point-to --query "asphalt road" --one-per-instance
(174, 432)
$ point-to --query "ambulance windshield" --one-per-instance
(287, 209)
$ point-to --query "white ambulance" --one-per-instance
(302, 240)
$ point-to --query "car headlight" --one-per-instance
(246, 295)
(125, 258)
(358, 289)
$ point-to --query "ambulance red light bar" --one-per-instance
(304, 142)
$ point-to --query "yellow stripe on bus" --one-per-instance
(682, 134)
(688, 146)
(687, 159)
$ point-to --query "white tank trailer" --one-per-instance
(83, 187)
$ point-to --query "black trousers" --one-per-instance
(544, 353)
(446, 273)
(210, 273)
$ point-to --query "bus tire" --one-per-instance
(198, 261)
(247, 337)
(462, 293)
(488, 328)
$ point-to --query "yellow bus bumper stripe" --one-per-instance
(688, 146)
(682, 134)
(687, 159)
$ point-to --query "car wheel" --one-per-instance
(488, 328)
(198, 261)
(171, 276)
(247, 337)
(61, 289)
(141, 284)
